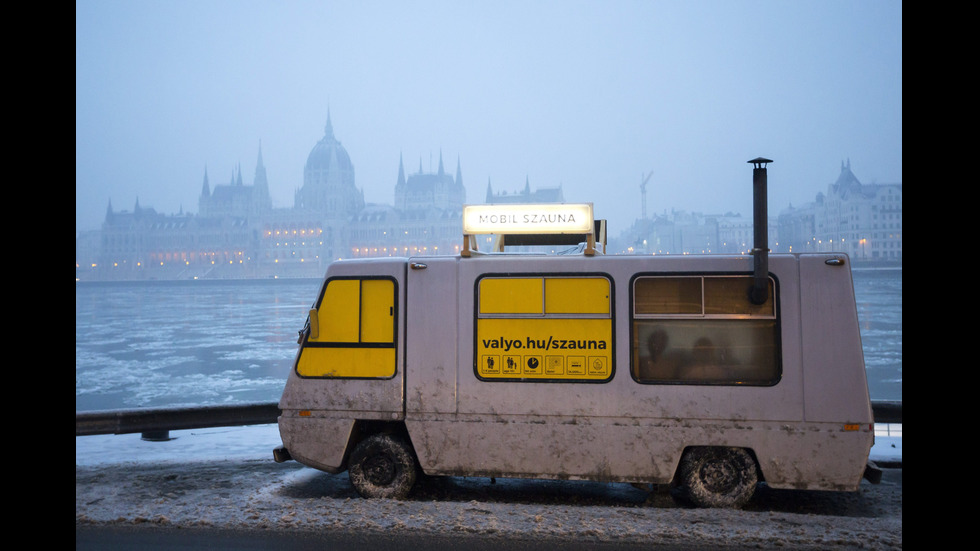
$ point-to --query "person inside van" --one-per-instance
(660, 363)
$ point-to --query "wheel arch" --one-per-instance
(717, 476)
(363, 428)
(689, 448)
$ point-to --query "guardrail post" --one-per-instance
(156, 435)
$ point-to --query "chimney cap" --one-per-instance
(760, 160)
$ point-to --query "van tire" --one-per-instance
(383, 465)
(718, 477)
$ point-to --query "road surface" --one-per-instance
(257, 503)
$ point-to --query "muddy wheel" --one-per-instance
(718, 477)
(383, 465)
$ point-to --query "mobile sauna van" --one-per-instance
(698, 371)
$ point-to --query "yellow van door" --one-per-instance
(352, 331)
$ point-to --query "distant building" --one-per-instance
(862, 220)
(542, 195)
(425, 219)
(238, 234)
(681, 232)
(235, 199)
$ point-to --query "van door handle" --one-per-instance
(418, 265)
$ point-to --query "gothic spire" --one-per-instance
(206, 188)
(328, 129)
(401, 171)
(260, 186)
(260, 175)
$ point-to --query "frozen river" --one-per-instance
(191, 343)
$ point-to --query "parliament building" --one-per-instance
(237, 233)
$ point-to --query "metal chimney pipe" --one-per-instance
(760, 286)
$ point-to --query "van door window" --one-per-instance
(544, 328)
(703, 330)
(356, 337)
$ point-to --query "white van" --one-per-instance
(638, 369)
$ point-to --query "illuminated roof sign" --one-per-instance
(547, 218)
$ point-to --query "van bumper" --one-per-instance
(872, 472)
(281, 454)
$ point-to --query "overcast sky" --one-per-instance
(591, 95)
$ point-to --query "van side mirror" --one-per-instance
(314, 322)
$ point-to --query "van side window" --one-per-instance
(544, 328)
(356, 336)
(703, 330)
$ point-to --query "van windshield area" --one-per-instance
(703, 330)
(356, 322)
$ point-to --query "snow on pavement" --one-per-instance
(226, 478)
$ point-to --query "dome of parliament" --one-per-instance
(328, 154)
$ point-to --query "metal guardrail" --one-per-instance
(155, 423)
(887, 411)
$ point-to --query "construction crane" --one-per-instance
(643, 192)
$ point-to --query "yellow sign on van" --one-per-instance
(544, 328)
(544, 349)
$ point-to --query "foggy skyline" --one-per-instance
(589, 95)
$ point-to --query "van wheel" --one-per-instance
(718, 477)
(383, 465)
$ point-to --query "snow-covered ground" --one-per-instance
(225, 478)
